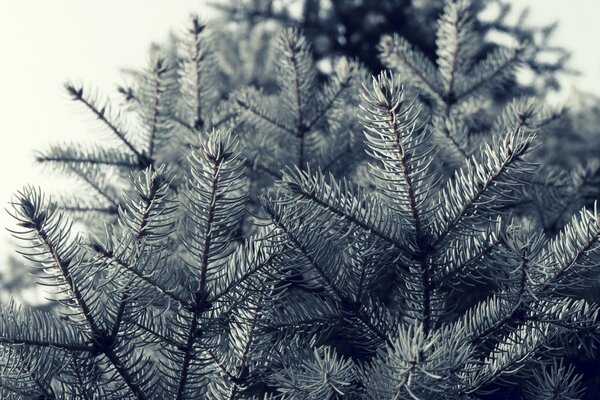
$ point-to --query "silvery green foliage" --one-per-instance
(303, 122)
(166, 105)
(412, 282)
(190, 89)
(459, 88)
(338, 294)
(459, 94)
(352, 29)
(555, 382)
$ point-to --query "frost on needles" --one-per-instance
(307, 240)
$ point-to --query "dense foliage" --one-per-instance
(274, 233)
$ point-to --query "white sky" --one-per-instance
(45, 43)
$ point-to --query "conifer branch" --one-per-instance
(443, 128)
(77, 94)
(112, 259)
(46, 226)
(398, 54)
(237, 379)
(494, 68)
(121, 369)
(89, 179)
(508, 354)
(159, 70)
(198, 58)
(51, 232)
(214, 182)
(249, 266)
(72, 154)
(341, 87)
(241, 102)
(277, 219)
(44, 388)
(167, 340)
(471, 184)
(353, 285)
(391, 134)
(312, 254)
(213, 203)
(456, 47)
(187, 356)
(577, 243)
(448, 273)
(46, 343)
(336, 199)
(301, 127)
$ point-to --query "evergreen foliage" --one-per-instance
(353, 28)
(254, 244)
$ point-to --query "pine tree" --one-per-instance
(259, 247)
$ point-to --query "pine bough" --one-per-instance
(337, 285)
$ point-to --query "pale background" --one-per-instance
(45, 43)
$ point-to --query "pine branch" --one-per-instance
(90, 209)
(299, 70)
(337, 199)
(198, 57)
(54, 248)
(195, 76)
(212, 206)
(50, 234)
(244, 265)
(158, 73)
(216, 173)
(78, 95)
(73, 153)
(109, 258)
(395, 141)
(456, 46)
(350, 286)
(333, 93)
(321, 374)
(277, 218)
(506, 358)
(23, 375)
(391, 135)
(555, 381)
(245, 102)
(318, 255)
(242, 367)
(187, 358)
(462, 257)
(468, 189)
(397, 53)
(97, 182)
(50, 334)
(572, 253)
(495, 68)
(123, 371)
(447, 129)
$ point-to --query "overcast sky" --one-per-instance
(45, 43)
